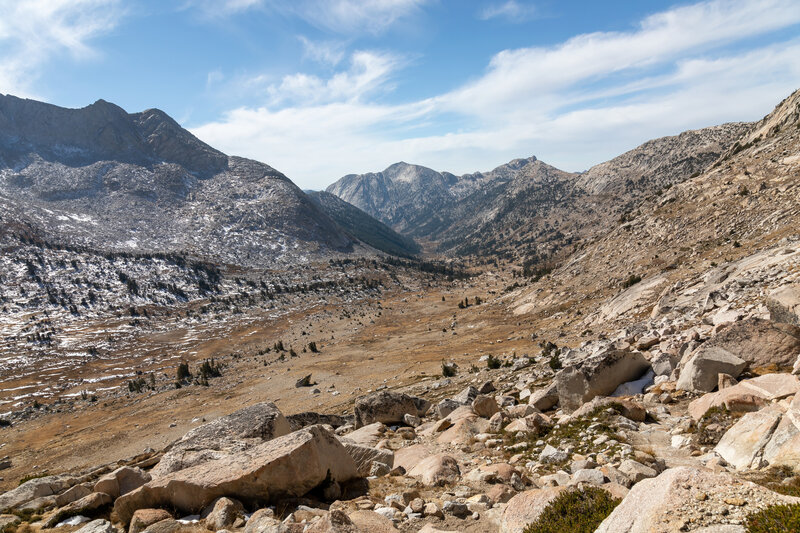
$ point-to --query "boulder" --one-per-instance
(598, 375)
(496, 472)
(98, 526)
(310, 418)
(636, 471)
(174, 526)
(369, 435)
(466, 396)
(288, 466)
(546, 398)
(464, 425)
(767, 437)
(747, 395)
(484, 406)
(86, 505)
(364, 456)
(34, 489)
(222, 513)
(8, 521)
(387, 407)
(591, 476)
(436, 470)
(223, 437)
(263, 521)
(122, 481)
(335, 521)
(784, 305)
(371, 522)
(534, 423)
(70, 495)
(552, 455)
(144, 518)
(526, 507)
(628, 408)
(701, 371)
(445, 407)
(409, 456)
(760, 342)
(663, 364)
(652, 504)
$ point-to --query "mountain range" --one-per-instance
(105, 179)
(527, 210)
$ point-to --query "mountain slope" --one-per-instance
(364, 227)
(110, 180)
(527, 210)
(697, 231)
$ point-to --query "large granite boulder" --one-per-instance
(701, 372)
(770, 436)
(35, 489)
(387, 407)
(223, 437)
(784, 305)
(760, 342)
(747, 395)
(287, 466)
(121, 481)
(365, 456)
(598, 375)
(685, 495)
(526, 507)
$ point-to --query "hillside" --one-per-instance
(364, 227)
(708, 227)
(102, 178)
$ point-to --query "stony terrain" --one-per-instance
(646, 382)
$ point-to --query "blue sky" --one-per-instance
(319, 89)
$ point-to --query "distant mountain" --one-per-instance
(363, 226)
(110, 180)
(527, 210)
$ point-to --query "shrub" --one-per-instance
(492, 363)
(576, 511)
(775, 519)
(555, 362)
(209, 369)
(632, 280)
(448, 370)
(183, 371)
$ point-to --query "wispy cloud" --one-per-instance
(572, 104)
(35, 31)
(511, 10)
(339, 16)
(328, 53)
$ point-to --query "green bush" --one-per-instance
(775, 519)
(448, 370)
(492, 362)
(576, 511)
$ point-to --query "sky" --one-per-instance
(323, 88)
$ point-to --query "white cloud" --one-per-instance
(35, 31)
(573, 104)
(328, 52)
(511, 10)
(368, 72)
(340, 16)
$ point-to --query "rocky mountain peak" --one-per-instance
(109, 180)
(785, 115)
